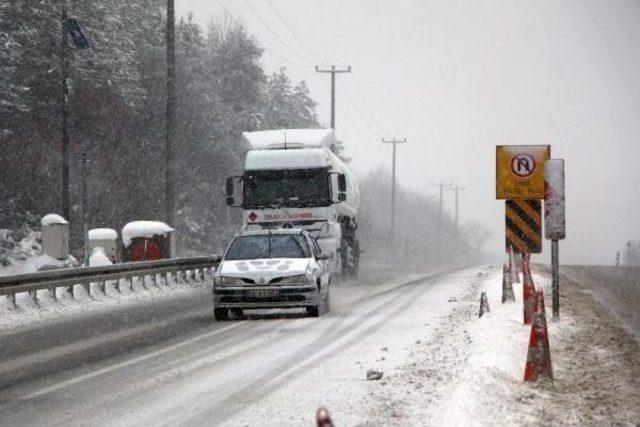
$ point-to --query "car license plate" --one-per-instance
(263, 293)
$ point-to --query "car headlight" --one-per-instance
(228, 281)
(296, 280)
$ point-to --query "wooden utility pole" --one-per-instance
(393, 141)
(456, 189)
(170, 175)
(333, 72)
(441, 186)
(66, 203)
(85, 208)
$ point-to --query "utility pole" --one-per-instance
(456, 189)
(393, 141)
(170, 175)
(66, 203)
(442, 186)
(85, 208)
(333, 72)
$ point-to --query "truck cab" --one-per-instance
(292, 179)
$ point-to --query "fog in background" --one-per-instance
(457, 78)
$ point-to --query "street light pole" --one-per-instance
(170, 183)
(65, 115)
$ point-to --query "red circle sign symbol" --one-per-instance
(523, 165)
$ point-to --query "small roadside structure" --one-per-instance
(147, 241)
(55, 236)
(105, 238)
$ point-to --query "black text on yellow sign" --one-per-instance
(523, 229)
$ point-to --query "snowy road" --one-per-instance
(168, 363)
(188, 369)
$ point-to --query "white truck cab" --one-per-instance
(292, 178)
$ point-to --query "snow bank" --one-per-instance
(145, 229)
(103, 234)
(52, 219)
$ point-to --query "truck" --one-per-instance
(293, 179)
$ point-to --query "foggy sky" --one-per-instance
(457, 78)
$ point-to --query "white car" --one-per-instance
(264, 269)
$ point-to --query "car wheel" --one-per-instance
(314, 310)
(220, 314)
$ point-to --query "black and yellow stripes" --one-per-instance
(524, 225)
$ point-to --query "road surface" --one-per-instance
(171, 363)
(167, 362)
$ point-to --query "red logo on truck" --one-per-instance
(252, 216)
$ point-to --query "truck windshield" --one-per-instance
(269, 246)
(287, 188)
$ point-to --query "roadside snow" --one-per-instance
(103, 234)
(52, 219)
(146, 229)
(470, 372)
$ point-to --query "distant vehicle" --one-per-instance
(264, 269)
(292, 178)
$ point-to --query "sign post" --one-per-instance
(554, 222)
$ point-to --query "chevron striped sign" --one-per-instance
(524, 225)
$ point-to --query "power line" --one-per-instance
(367, 129)
(365, 121)
(275, 33)
(293, 33)
(367, 105)
(273, 52)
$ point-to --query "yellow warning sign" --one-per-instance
(520, 171)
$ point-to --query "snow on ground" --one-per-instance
(471, 370)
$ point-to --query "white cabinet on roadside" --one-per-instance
(107, 239)
(55, 236)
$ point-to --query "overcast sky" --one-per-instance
(456, 78)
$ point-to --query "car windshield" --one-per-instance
(292, 188)
(269, 246)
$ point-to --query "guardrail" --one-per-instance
(172, 269)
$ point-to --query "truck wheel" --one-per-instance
(237, 313)
(327, 301)
(220, 314)
(314, 311)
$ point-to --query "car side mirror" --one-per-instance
(342, 183)
(229, 191)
